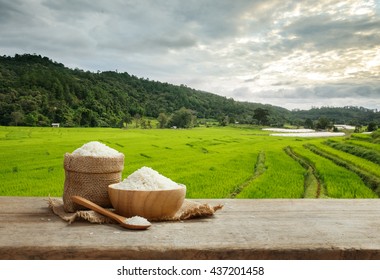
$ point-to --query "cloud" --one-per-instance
(323, 32)
(14, 11)
(270, 51)
(306, 97)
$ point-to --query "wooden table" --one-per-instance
(243, 229)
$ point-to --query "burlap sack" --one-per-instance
(89, 177)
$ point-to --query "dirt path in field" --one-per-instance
(309, 168)
(258, 170)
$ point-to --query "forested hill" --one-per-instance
(344, 115)
(35, 91)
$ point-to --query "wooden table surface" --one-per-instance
(243, 229)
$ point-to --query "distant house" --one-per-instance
(55, 125)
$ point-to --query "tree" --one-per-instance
(137, 118)
(261, 115)
(224, 120)
(34, 85)
(162, 120)
(323, 123)
(17, 117)
(125, 120)
(182, 118)
(143, 123)
(309, 123)
(372, 126)
(31, 119)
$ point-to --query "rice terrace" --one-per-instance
(214, 162)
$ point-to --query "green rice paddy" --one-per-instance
(217, 162)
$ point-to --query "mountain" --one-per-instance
(36, 91)
(351, 115)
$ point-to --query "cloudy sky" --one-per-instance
(294, 54)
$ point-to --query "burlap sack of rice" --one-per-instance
(89, 177)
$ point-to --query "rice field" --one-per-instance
(282, 179)
(351, 159)
(365, 144)
(216, 162)
(337, 181)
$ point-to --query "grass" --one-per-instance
(358, 167)
(353, 160)
(336, 181)
(357, 150)
(259, 169)
(283, 178)
(218, 162)
(368, 145)
(32, 158)
(313, 187)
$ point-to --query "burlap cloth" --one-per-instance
(89, 177)
(189, 210)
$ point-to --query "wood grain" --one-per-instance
(243, 229)
(150, 204)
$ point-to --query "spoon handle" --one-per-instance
(86, 203)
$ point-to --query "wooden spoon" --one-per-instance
(120, 219)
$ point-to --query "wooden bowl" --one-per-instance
(150, 204)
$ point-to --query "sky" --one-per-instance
(294, 54)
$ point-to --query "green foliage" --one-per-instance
(365, 144)
(361, 137)
(211, 162)
(367, 172)
(323, 123)
(35, 91)
(183, 118)
(309, 123)
(260, 166)
(259, 169)
(224, 120)
(376, 136)
(344, 115)
(261, 115)
(356, 150)
(313, 185)
(372, 126)
(32, 158)
(283, 177)
(163, 120)
(336, 181)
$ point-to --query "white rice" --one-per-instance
(137, 220)
(146, 178)
(96, 149)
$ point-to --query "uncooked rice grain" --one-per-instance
(137, 220)
(96, 149)
(146, 178)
